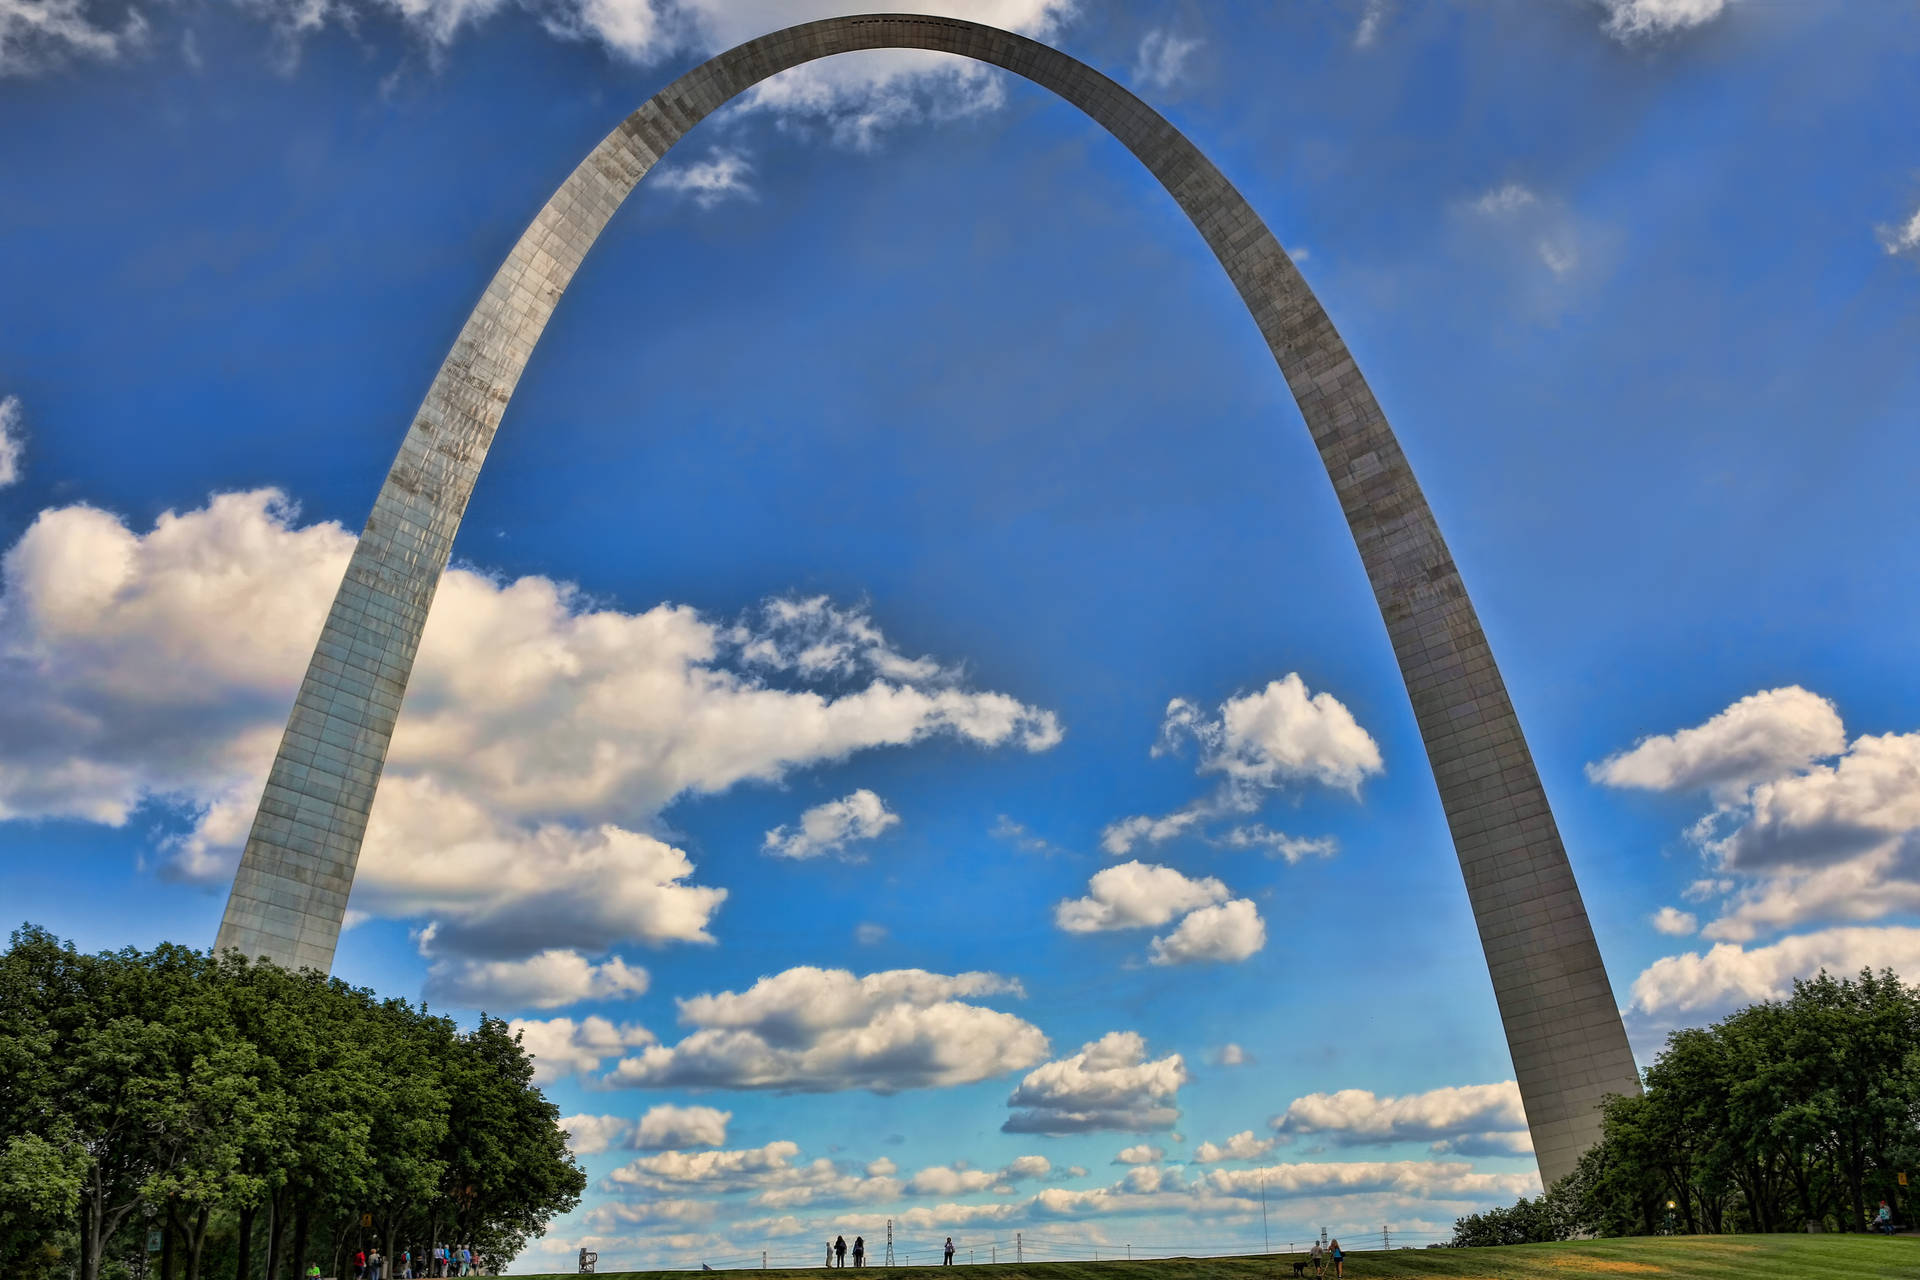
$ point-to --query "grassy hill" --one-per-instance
(1680, 1257)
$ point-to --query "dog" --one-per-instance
(1299, 1268)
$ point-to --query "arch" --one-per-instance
(290, 892)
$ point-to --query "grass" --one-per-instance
(1781, 1257)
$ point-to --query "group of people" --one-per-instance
(837, 1252)
(1323, 1254)
(412, 1264)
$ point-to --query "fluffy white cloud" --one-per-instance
(1231, 1055)
(39, 35)
(1241, 1146)
(1675, 923)
(590, 1134)
(1634, 19)
(723, 175)
(1135, 895)
(1110, 1084)
(830, 827)
(665, 1127)
(810, 1030)
(946, 1180)
(1141, 1153)
(1276, 735)
(1119, 838)
(1510, 198)
(869, 934)
(1903, 237)
(1806, 826)
(713, 1171)
(11, 444)
(1424, 1179)
(547, 980)
(561, 1047)
(1729, 975)
(1449, 1114)
(1762, 736)
(1226, 934)
(541, 737)
(1162, 59)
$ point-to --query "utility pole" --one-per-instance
(889, 1241)
(1019, 1250)
(1386, 1237)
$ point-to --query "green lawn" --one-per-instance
(1683, 1257)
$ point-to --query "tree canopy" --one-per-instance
(1788, 1113)
(260, 1119)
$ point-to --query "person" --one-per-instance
(949, 1260)
(1883, 1220)
(1339, 1259)
(313, 1271)
(859, 1251)
(840, 1251)
(360, 1264)
(1319, 1257)
(375, 1265)
(466, 1260)
(829, 1253)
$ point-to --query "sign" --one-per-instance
(366, 1219)
(153, 1240)
(1903, 1179)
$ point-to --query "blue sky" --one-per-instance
(900, 501)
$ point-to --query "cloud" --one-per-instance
(1278, 844)
(1135, 895)
(547, 980)
(1017, 835)
(12, 445)
(542, 736)
(1276, 735)
(1512, 219)
(713, 1171)
(1762, 736)
(1232, 1055)
(1119, 838)
(830, 827)
(868, 934)
(1241, 1146)
(1446, 1115)
(1903, 238)
(590, 1134)
(1226, 934)
(1644, 19)
(1674, 922)
(1109, 1085)
(1371, 19)
(1141, 1153)
(810, 1030)
(43, 35)
(1507, 199)
(665, 1127)
(723, 175)
(561, 1047)
(1805, 827)
(1726, 976)
(1162, 59)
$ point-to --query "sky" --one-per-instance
(906, 734)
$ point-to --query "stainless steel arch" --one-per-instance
(289, 896)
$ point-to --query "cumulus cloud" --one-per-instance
(1231, 1055)
(1119, 838)
(666, 1127)
(723, 175)
(547, 980)
(11, 444)
(1278, 844)
(1762, 736)
(1728, 975)
(1674, 922)
(1241, 1146)
(1276, 735)
(1110, 1084)
(960, 1179)
(1643, 19)
(590, 1134)
(1806, 827)
(542, 737)
(561, 1047)
(1445, 1116)
(1424, 1179)
(1017, 835)
(869, 934)
(41, 35)
(1162, 59)
(830, 827)
(1141, 1153)
(1135, 895)
(1902, 238)
(1226, 934)
(712, 1171)
(810, 1030)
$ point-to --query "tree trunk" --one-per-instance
(276, 1224)
(196, 1242)
(243, 1263)
(302, 1234)
(166, 1246)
